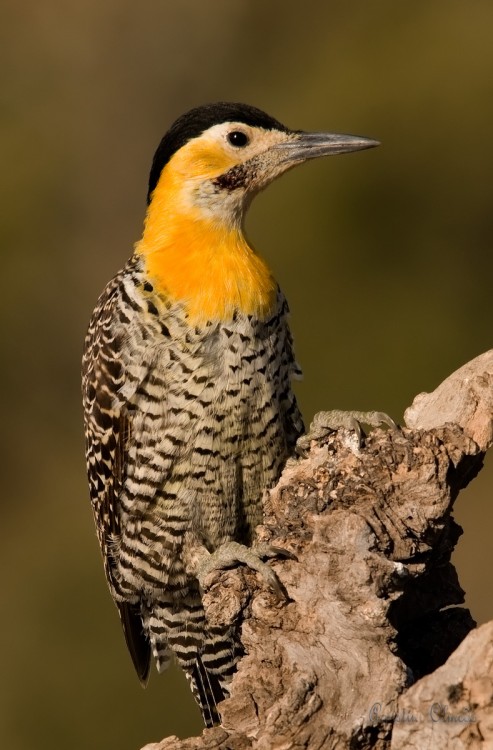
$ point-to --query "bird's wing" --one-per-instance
(108, 434)
(293, 421)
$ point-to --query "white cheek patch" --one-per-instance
(219, 204)
(224, 197)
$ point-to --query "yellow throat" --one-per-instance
(200, 259)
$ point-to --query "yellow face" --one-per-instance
(222, 147)
(193, 241)
(209, 155)
(217, 174)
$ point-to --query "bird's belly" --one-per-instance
(242, 454)
(232, 447)
(208, 436)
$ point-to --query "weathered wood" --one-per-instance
(452, 707)
(465, 398)
(372, 611)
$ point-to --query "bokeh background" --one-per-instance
(385, 257)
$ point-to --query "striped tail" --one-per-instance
(208, 656)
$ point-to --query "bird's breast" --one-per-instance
(204, 264)
(212, 421)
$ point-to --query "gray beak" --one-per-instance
(312, 145)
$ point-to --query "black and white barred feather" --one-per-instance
(185, 427)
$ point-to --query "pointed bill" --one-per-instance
(305, 146)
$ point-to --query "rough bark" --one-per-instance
(370, 649)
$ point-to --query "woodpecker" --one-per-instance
(188, 405)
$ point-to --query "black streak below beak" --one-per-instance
(312, 145)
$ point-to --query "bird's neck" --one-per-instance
(202, 262)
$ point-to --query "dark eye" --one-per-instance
(238, 138)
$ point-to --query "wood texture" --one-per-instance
(371, 648)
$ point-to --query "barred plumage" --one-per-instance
(186, 425)
(187, 369)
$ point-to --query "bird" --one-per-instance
(187, 373)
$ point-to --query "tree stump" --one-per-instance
(370, 648)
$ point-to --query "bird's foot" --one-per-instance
(325, 422)
(230, 554)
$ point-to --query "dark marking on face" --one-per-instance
(237, 177)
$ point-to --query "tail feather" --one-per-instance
(207, 655)
(136, 640)
(212, 672)
(207, 691)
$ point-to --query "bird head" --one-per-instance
(208, 167)
(216, 158)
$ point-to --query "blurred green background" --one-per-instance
(385, 257)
